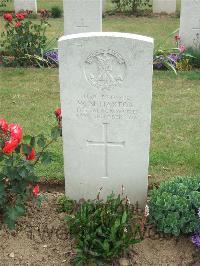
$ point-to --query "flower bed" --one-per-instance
(178, 58)
(41, 238)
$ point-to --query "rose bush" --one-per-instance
(23, 40)
(18, 157)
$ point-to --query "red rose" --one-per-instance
(15, 132)
(18, 24)
(8, 17)
(25, 14)
(58, 112)
(31, 156)
(36, 190)
(20, 16)
(3, 125)
(177, 37)
(10, 146)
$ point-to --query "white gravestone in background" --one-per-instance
(103, 5)
(82, 16)
(165, 6)
(25, 5)
(106, 87)
(190, 23)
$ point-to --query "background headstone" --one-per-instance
(106, 85)
(166, 6)
(82, 16)
(25, 5)
(190, 23)
(103, 5)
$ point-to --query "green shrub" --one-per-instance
(173, 206)
(103, 230)
(23, 40)
(131, 5)
(195, 60)
(65, 204)
(3, 3)
(56, 12)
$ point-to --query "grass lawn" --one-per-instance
(29, 97)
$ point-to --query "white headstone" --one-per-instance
(82, 16)
(25, 5)
(190, 23)
(103, 5)
(106, 85)
(165, 6)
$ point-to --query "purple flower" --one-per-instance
(158, 65)
(52, 56)
(173, 57)
(198, 213)
(196, 240)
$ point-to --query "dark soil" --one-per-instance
(41, 238)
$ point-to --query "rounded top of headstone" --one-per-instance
(107, 34)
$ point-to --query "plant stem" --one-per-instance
(50, 142)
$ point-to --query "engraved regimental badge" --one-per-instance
(105, 69)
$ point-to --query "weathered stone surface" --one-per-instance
(25, 5)
(106, 84)
(190, 23)
(165, 6)
(82, 16)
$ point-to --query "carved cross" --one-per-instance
(197, 29)
(82, 24)
(106, 145)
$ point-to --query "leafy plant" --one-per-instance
(131, 5)
(174, 205)
(65, 204)
(56, 12)
(183, 65)
(103, 230)
(176, 58)
(3, 3)
(195, 59)
(18, 157)
(24, 40)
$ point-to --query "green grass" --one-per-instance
(156, 27)
(29, 97)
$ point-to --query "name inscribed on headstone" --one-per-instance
(105, 107)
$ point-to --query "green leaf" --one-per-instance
(12, 214)
(124, 217)
(27, 139)
(32, 142)
(26, 149)
(106, 246)
(41, 142)
(46, 158)
(169, 66)
(117, 223)
(55, 133)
